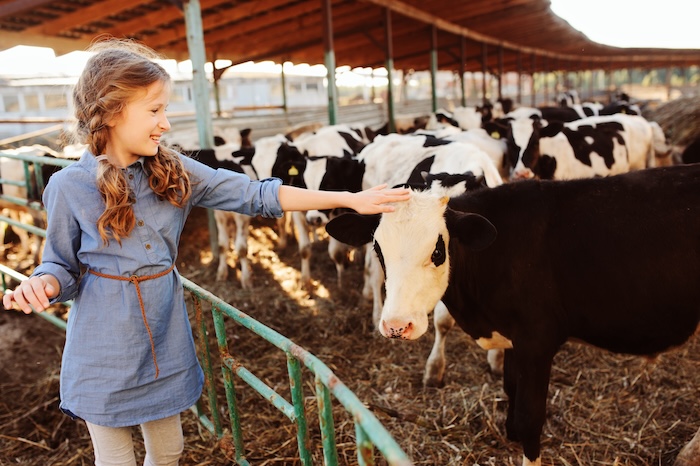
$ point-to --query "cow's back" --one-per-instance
(611, 261)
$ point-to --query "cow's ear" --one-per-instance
(472, 230)
(353, 229)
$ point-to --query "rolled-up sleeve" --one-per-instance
(228, 190)
(63, 236)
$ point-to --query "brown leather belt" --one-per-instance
(135, 279)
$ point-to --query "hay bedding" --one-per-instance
(603, 409)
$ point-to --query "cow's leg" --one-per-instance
(434, 375)
(527, 374)
(340, 254)
(302, 229)
(283, 230)
(242, 222)
(224, 231)
(690, 454)
(510, 386)
(495, 359)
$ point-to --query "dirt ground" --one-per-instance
(603, 409)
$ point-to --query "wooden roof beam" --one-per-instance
(19, 6)
(79, 17)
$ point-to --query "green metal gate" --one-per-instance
(369, 432)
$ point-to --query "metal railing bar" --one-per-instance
(296, 386)
(229, 388)
(205, 358)
(262, 388)
(325, 419)
(365, 451)
(30, 228)
(40, 159)
(382, 440)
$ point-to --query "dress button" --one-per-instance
(131, 176)
(148, 246)
(140, 223)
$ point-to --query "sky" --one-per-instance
(634, 23)
(620, 23)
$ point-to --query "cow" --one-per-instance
(271, 156)
(562, 114)
(448, 167)
(622, 104)
(611, 261)
(494, 147)
(230, 225)
(342, 142)
(594, 146)
(464, 118)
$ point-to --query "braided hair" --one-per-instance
(112, 76)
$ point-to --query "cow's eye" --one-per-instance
(438, 256)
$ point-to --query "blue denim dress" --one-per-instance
(108, 373)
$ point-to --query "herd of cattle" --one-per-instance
(516, 226)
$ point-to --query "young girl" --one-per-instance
(114, 222)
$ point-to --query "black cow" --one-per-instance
(612, 262)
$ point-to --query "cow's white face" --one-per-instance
(522, 132)
(412, 243)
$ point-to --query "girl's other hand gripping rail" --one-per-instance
(32, 294)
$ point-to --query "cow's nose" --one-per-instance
(397, 329)
(522, 175)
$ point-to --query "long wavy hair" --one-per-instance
(117, 71)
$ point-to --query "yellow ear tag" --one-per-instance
(293, 171)
(496, 135)
(444, 200)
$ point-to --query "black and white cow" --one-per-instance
(595, 146)
(271, 156)
(565, 114)
(230, 226)
(447, 167)
(611, 261)
(464, 118)
(319, 147)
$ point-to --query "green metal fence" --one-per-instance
(369, 432)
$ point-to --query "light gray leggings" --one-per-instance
(115, 447)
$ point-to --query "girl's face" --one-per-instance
(137, 130)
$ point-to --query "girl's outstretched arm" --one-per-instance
(370, 201)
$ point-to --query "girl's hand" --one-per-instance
(377, 200)
(34, 292)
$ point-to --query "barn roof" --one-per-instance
(519, 34)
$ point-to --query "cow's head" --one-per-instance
(331, 174)
(523, 147)
(413, 246)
